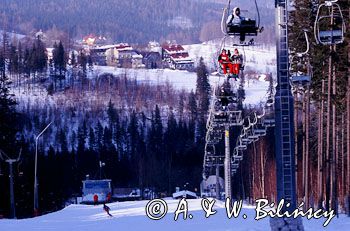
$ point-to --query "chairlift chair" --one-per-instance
(269, 122)
(235, 165)
(246, 141)
(300, 67)
(329, 28)
(238, 157)
(246, 27)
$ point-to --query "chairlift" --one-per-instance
(241, 147)
(238, 158)
(246, 141)
(235, 25)
(226, 44)
(269, 118)
(234, 165)
(259, 129)
(300, 67)
(329, 28)
(269, 122)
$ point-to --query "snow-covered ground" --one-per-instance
(258, 59)
(255, 89)
(131, 216)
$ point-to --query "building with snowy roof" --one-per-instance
(93, 188)
(176, 57)
(119, 55)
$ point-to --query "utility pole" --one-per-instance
(12, 194)
(218, 182)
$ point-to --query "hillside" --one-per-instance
(186, 21)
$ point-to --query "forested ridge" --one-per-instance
(124, 20)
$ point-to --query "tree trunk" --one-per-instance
(342, 164)
(348, 148)
(304, 180)
(307, 125)
(262, 170)
(334, 158)
(328, 135)
(320, 165)
(296, 117)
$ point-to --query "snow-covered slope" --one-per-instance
(131, 216)
(255, 89)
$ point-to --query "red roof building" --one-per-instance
(176, 57)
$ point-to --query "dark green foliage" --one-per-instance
(8, 114)
(59, 59)
(202, 89)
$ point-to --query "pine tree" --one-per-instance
(133, 135)
(202, 89)
(192, 106)
(92, 140)
(39, 56)
(8, 115)
(59, 59)
(82, 60)
(112, 113)
(63, 141)
(73, 61)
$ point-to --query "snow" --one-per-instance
(132, 216)
(184, 193)
(255, 89)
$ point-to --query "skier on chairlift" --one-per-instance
(235, 18)
(236, 63)
(224, 94)
(225, 62)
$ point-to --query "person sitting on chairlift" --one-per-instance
(223, 94)
(236, 63)
(225, 62)
(235, 18)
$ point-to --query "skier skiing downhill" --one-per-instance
(225, 62)
(107, 209)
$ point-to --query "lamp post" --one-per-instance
(36, 203)
(102, 164)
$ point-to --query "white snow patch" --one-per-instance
(255, 89)
(132, 216)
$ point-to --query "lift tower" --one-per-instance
(284, 113)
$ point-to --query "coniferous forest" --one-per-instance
(152, 136)
(149, 136)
